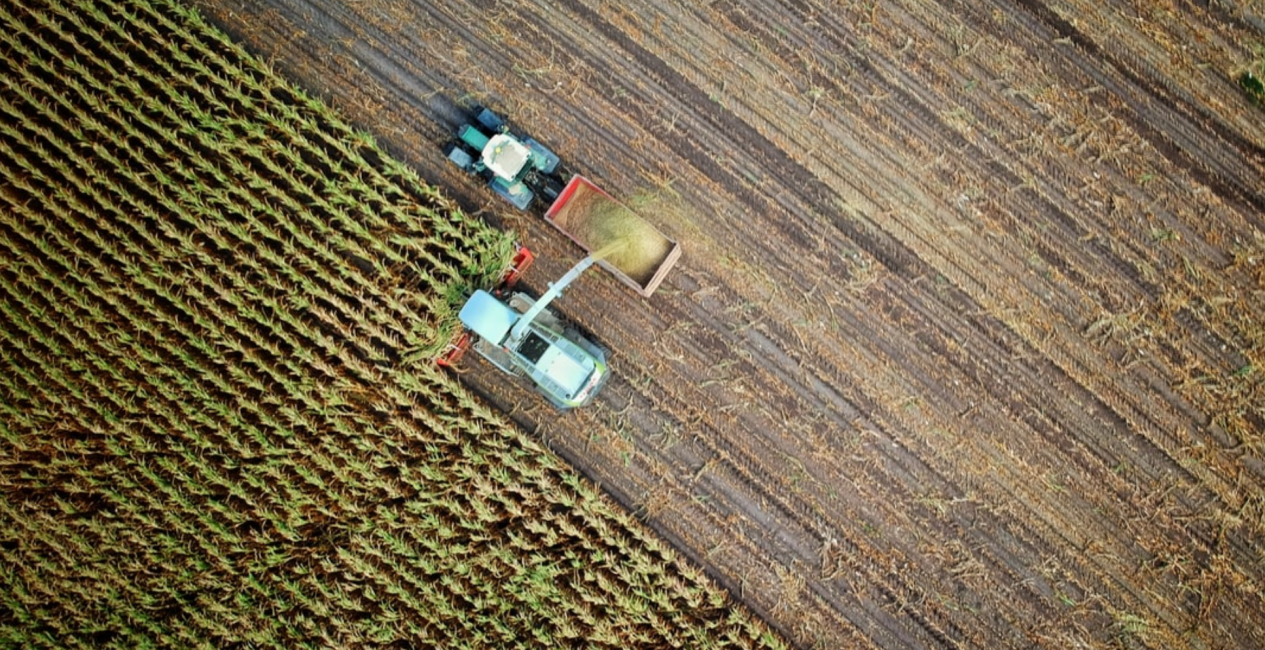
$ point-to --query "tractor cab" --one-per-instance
(505, 157)
(516, 167)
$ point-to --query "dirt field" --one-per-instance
(964, 349)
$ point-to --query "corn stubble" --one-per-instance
(219, 424)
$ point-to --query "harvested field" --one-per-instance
(965, 346)
(222, 424)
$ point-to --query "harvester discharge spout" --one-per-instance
(555, 290)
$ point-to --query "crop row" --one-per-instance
(220, 422)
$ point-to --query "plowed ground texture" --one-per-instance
(964, 349)
(222, 424)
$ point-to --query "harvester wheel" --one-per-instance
(572, 333)
(557, 406)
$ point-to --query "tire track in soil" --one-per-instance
(1146, 113)
(752, 476)
(1094, 455)
(669, 382)
(660, 406)
(1172, 462)
(1074, 450)
(917, 117)
(1071, 271)
(1032, 551)
(706, 114)
(1048, 244)
(905, 457)
(743, 460)
(1027, 201)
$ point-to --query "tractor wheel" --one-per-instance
(551, 188)
(491, 122)
(459, 157)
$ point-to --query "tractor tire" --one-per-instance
(459, 157)
(551, 188)
(488, 121)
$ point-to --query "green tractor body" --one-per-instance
(516, 166)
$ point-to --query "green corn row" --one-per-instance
(211, 290)
(197, 178)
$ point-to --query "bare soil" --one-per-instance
(964, 349)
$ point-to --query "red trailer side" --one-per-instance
(640, 256)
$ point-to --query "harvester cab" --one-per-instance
(522, 336)
(516, 166)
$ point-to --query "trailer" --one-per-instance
(630, 248)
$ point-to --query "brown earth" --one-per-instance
(964, 349)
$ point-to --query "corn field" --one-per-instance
(221, 426)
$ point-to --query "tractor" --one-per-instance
(516, 167)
